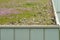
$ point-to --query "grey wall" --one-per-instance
(57, 4)
(29, 34)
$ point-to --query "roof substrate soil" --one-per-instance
(26, 12)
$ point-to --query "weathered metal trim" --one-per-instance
(29, 26)
(56, 16)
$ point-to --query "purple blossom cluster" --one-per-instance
(4, 11)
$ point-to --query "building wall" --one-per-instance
(29, 34)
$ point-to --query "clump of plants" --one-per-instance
(26, 12)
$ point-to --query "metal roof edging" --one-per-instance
(56, 16)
